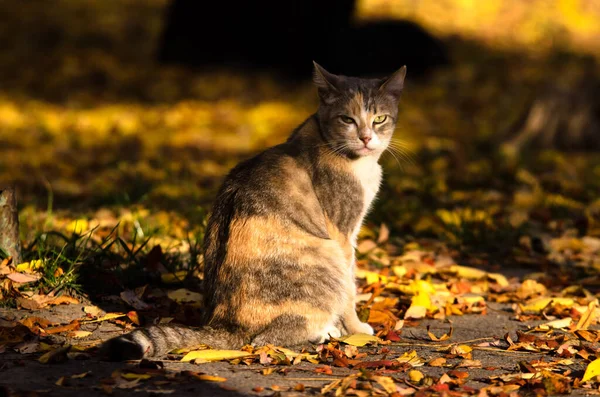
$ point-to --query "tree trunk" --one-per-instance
(9, 224)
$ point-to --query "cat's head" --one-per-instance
(358, 116)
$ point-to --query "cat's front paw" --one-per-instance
(330, 331)
(360, 328)
(366, 329)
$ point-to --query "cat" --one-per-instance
(279, 246)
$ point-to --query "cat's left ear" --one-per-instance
(395, 83)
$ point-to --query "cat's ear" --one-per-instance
(327, 83)
(394, 84)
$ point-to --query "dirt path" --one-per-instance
(23, 375)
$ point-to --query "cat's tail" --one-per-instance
(158, 340)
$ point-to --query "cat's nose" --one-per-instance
(365, 139)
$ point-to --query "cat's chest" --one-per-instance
(368, 173)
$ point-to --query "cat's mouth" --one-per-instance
(364, 151)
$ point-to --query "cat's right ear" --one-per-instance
(326, 83)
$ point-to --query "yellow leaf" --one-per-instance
(358, 339)
(415, 376)
(132, 376)
(62, 381)
(530, 288)
(588, 317)
(184, 295)
(174, 278)
(437, 362)
(415, 312)
(214, 355)
(499, 278)
(386, 382)
(411, 358)
(467, 272)
(539, 304)
(94, 311)
(561, 323)
(210, 378)
(81, 375)
(399, 271)
(592, 370)
(79, 334)
(371, 277)
(461, 349)
(55, 356)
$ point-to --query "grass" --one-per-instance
(108, 169)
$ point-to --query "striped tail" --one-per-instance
(158, 340)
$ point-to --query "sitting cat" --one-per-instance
(279, 247)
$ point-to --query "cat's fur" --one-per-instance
(279, 247)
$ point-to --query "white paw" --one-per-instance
(328, 332)
(364, 328)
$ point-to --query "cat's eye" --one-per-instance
(380, 119)
(347, 120)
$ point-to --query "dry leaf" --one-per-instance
(23, 278)
(386, 382)
(214, 355)
(358, 339)
(108, 316)
(415, 376)
(55, 356)
(592, 370)
(184, 295)
(437, 362)
(134, 376)
(79, 334)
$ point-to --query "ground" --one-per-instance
(23, 373)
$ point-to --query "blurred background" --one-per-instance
(123, 116)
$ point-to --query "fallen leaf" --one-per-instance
(108, 316)
(79, 334)
(469, 364)
(81, 375)
(74, 325)
(208, 378)
(93, 311)
(358, 339)
(411, 358)
(23, 278)
(184, 295)
(592, 370)
(588, 317)
(174, 278)
(437, 362)
(539, 304)
(133, 316)
(415, 376)
(63, 299)
(386, 382)
(62, 381)
(441, 338)
(134, 376)
(214, 355)
(55, 356)
(557, 324)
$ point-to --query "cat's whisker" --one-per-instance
(388, 150)
(403, 151)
